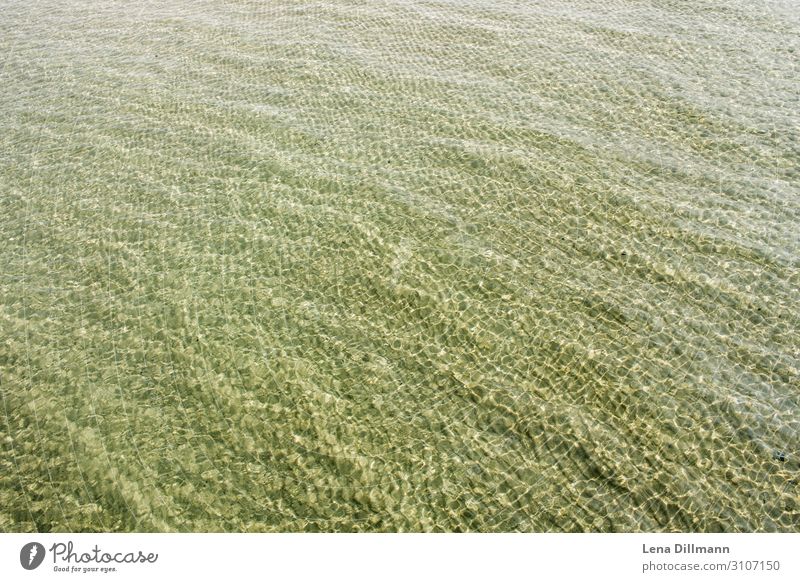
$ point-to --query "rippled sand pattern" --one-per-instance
(384, 265)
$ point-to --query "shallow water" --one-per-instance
(400, 265)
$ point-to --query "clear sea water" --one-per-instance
(400, 265)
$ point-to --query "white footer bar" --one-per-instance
(375, 557)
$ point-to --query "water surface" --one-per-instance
(400, 265)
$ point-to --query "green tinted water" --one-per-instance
(400, 265)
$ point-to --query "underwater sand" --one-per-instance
(453, 265)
